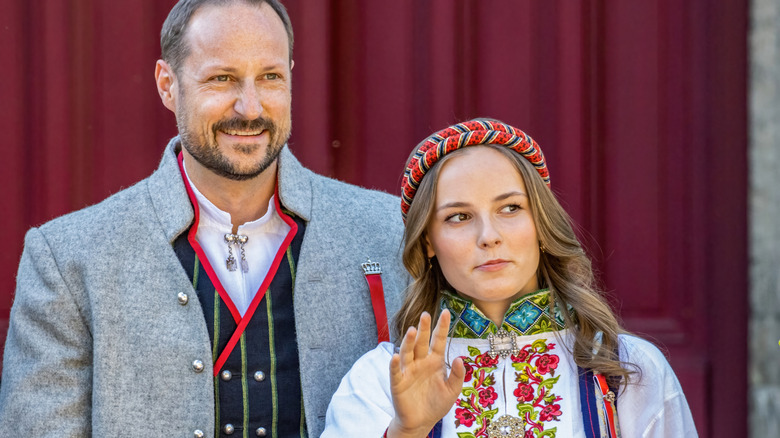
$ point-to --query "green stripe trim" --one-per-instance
(272, 373)
(214, 345)
(291, 262)
(303, 419)
(195, 273)
(216, 405)
(244, 385)
(215, 342)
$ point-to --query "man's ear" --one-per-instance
(428, 247)
(166, 84)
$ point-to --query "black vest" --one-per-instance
(258, 389)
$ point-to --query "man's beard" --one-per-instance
(206, 151)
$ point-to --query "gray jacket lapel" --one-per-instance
(173, 207)
(169, 196)
(295, 185)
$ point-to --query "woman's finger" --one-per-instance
(406, 352)
(395, 368)
(457, 374)
(439, 340)
(423, 336)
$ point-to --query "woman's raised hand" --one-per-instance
(422, 392)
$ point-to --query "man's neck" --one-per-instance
(245, 201)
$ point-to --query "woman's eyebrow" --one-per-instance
(454, 204)
(506, 195)
(461, 204)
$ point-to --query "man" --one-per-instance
(221, 296)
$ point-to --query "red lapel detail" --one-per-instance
(242, 321)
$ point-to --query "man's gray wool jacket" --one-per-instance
(99, 344)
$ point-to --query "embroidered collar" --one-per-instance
(528, 315)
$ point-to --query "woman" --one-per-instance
(524, 345)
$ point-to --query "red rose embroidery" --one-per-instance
(521, 357)
(487, 396)
(524, 392)
(546, 363)
(469, 370)
(484, 360)
(532, 366)
(464, 417)
(550, 412)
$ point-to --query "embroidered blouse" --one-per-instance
(524, 372)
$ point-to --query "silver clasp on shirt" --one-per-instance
(503, 343)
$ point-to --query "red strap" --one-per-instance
(609, 403)
(378, 302)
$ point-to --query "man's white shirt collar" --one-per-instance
(266, 235)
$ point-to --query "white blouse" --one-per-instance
(539, 384)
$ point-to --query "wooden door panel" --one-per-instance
(639, 106)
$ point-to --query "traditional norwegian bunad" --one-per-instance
(254, 345)
(521, 381)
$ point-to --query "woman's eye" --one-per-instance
(510, 208)
(457, 217)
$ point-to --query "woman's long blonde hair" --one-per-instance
(564, 268)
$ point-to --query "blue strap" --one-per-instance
(590, 411)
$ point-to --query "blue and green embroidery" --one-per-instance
(528, 315)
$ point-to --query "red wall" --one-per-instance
(640, 107)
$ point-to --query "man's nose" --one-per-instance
(249, 104)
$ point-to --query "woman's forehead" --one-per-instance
(477, 172)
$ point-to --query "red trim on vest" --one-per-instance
(378, 303)
(242, 321)
(609, 409)
(199, 251)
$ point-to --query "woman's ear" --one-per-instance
(428, 247)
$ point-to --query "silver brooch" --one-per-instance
(503, 343)
(506, 426)
(240, 240)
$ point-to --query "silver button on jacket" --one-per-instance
(197, 366)
(228, 429)
(259, 376)
(183, 298)
(226, 375)
(260, 431)
(198, 433)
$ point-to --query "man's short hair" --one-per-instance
(175, 49)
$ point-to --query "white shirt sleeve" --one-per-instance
(653, 405)
(362, 405)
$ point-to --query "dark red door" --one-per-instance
(639, 105)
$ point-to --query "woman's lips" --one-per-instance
(493, 265)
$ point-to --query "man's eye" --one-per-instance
(271, 76)
(222, 78)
